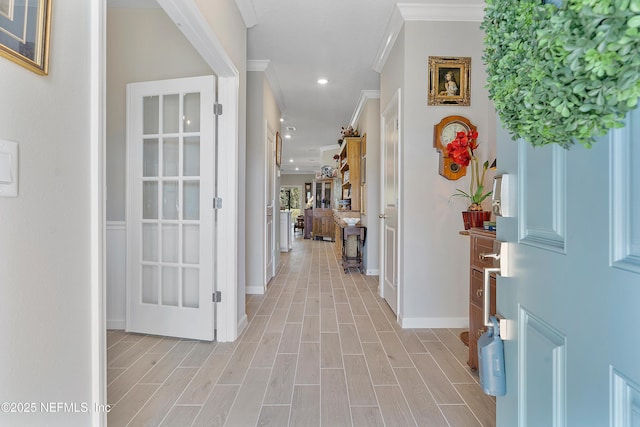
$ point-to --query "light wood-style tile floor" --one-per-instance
(321, 349)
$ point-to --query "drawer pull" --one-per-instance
(478, 293)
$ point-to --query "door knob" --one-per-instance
(382, 216)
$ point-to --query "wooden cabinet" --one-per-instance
(481, 242)
(323, 209)
(350, 159)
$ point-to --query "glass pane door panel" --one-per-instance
(170, 113)
(150, 158)
(170, 286)
(318, 195)
(191, 200)
(191, 156)
(190, 244)
(170, 157)
(150, 200)
(150, 284)
(170, 200)
(150, 242)
(191, 112)
(150, 115)
(190, 287)
(170, 243)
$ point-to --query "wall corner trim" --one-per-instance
(365, 95)
(248, 12)
(262, 65)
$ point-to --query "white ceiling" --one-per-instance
(304, 40)
(307, 40)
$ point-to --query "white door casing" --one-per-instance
(390, 230)
(170, 217)
(269, 195)
(571, 298)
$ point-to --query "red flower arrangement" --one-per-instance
(461, 150)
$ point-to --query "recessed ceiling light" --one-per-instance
(281, 119)
(297, 169)
(287, 136)
(290, 160)
(323, 81)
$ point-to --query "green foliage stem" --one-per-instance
(562, 75)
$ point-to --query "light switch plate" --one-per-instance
(8, 168)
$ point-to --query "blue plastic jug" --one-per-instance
(491, 361)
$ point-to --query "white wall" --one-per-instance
(45, 250)
(296, 179)
(435, 261)
(261, 109)
(369, 123)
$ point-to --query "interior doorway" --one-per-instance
(291, 199)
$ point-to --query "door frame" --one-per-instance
(269, 189)
(196, 29)
(394, 103)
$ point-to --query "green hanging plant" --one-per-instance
(562, 75)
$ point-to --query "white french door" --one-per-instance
(170, 219)
(390, 198)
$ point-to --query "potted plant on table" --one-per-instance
(462, 151)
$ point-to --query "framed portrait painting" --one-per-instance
(24, 33)
(449, 81)
(278, 149)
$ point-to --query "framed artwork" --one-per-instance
(449, 81)
(24, 33)
(278, 149)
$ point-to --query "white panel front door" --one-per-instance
(574, 290)
(390, 184)
(170, 217)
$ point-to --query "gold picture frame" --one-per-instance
(24, 33)
(449, 81)
(278, 149)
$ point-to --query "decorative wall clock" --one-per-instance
(443, 133)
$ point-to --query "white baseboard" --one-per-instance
(254, 290)
(116, 274)
(434, 322)
(373, 272)
(116, 324)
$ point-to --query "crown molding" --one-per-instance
(365, 95)
(422, 12)
(258, 64)
(248, 12)
(262, 65)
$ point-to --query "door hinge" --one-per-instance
(217, 109)
(216, 296)
(217, 203)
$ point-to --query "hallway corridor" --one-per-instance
(321, 349)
